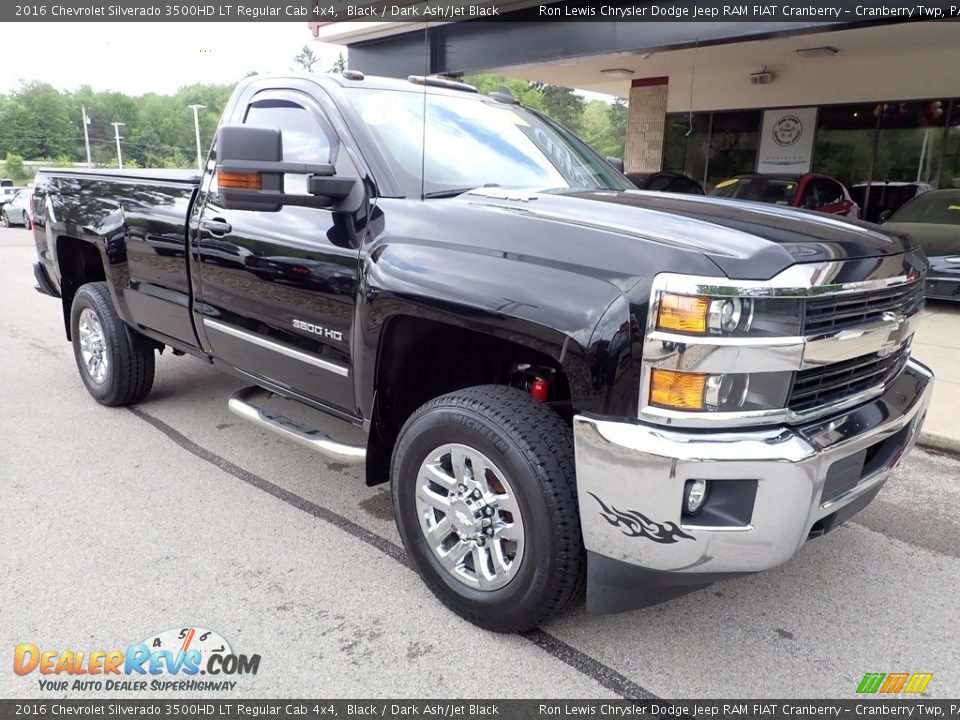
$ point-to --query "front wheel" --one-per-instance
(484, 493)
(5, 219)
(116, 363)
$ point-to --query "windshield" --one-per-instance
(779, 191)
(472, 141)
(933, 207)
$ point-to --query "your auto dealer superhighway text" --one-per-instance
(742, 11)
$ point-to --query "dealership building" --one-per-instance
(858, 100)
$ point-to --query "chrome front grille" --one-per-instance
(827, 384)
(831, 313)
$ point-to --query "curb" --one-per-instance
(940, 443)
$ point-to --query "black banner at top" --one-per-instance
(414, 11)
(867, 708)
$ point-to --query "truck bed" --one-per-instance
(137, 221)
(165, 175)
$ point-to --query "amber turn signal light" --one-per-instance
(239, 180)
(678, 390)
(685, 313)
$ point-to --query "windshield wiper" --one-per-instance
(453, 192)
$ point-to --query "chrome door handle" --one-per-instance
(217, 227)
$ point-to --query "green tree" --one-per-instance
(617, 113)
(339, 65)
(306, 58)
(527, 93)
(36, 122)
(563, 105)
(597, 131)
(14, 169)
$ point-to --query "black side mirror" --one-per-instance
(616, 163)
(884, 216)
(810, 203)
(251, 170)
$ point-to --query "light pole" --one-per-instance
(196, 128)
(116, 134)
(86, 134)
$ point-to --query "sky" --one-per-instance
(137, 58)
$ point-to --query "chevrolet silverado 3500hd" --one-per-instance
(566, 381)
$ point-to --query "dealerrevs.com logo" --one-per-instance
(166, 661)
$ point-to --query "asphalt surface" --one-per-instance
(119, 523)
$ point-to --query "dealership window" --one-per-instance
(843, 146)
(910, 140)
(950, 169)
(685, 144)
(880, 142)
(734, 137)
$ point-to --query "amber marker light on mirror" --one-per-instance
(678, 390)
(240, 181)
(683, 313)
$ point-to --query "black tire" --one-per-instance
(130, 356)
(534, 448)
(5, 219)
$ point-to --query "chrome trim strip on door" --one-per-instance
(277, 347)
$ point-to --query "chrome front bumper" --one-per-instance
(771, 489)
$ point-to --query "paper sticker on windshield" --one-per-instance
(381, 109)
(726, 183)
(790, 186)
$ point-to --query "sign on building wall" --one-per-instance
(786, 141)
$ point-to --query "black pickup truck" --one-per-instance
(567, 381)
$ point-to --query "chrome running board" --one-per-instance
(241, 403)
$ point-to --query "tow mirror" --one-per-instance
(616, 163)
(252, 174)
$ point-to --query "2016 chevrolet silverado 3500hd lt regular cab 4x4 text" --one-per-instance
(566, 381)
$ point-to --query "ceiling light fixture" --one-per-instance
(617, 72)
(821, 51)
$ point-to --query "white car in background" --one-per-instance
(16, 211)
(6, 194)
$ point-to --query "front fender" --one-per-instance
(552, 310)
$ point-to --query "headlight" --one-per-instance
(724, 315)
(728, 316)
(728, 392)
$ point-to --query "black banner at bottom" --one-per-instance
(914, 709)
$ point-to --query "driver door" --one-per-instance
(278, 288)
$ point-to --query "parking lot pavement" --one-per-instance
(119, 523)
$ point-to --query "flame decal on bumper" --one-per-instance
(636, 524)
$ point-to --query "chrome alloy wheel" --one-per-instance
(93, 346)
(470, 517)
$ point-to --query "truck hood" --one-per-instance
(746, 240)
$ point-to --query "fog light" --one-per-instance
(695, 496)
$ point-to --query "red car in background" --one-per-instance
(809, 191)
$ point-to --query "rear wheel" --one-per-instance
(116, 363)
(484, 493)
